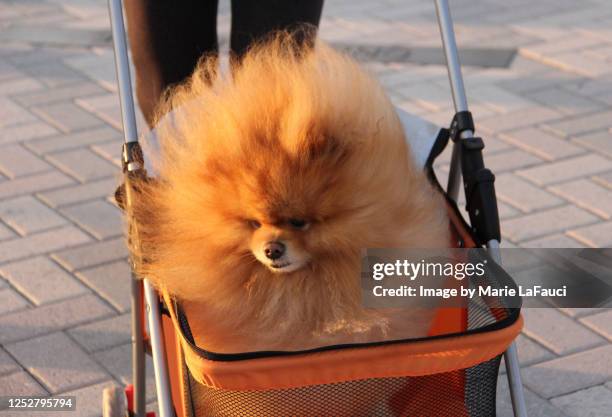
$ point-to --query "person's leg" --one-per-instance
(167, 38)
(254, 20)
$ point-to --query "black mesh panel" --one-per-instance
(465, 392)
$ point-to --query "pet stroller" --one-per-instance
(452, 372)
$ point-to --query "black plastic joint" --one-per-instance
(131, 157)
(481, 203)
(132, 163)
(461, 122)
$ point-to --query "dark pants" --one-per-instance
(167, 37)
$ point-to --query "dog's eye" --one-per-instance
(254, 224)
(298, 223)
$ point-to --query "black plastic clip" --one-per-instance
(131, 157)
(479, 188)
(461, 122)
(132, 163)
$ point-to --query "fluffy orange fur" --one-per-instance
(289, 135)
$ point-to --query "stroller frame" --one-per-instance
(463, 160)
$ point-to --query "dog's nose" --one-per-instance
(274, 250)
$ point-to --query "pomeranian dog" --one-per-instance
(270, 182)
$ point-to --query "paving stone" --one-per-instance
(589, 87)
(493, 145)
(410, 106)
(511, 160)
(12, 114)
(604, 179)
(89, 400)
(588, 195)
(44, 19)
(440, 118)
(27, 215)
(11, 301)
(539, 80)
(567, 169)
(600, 142)
(48, 241)
(531, 352)
(549, 27)
(92, 254)
(570, 373)
(541, 143)
(566, 102)
(99, 217)
(75, 140)
(19, 85)
(596, 236)
(33, 183)
(109, 151)
(99, 67)
(57, 362)
(553, 241)
(106, 107)
(31, 56)
(592, 402)
(9, 71)
(578, 63)
(117, 361)
(545, 222)
(42, 280)
(536, 406)
(400, 76)
(24, 132)
(104, 188)
(82, 164)
(580, 312)
(63, 93)
(20, 383)
(103, 334)
(16, 161)
(83, 9)
(54, 73)
(563, 44)
(50, 318)
(544, 325)
(66, 116)
(522, 194)
(601, 323)
(506, 211)
(7, 364)
(110, 281)
(582, 125)
(523, 118)
(428, 95)
(498, 98)
(6, 232)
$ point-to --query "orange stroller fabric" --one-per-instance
(411, 358)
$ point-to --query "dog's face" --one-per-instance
(279, 245)
(287, 203)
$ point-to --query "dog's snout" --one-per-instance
(274, 250)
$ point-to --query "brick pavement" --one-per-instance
(547, 121)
